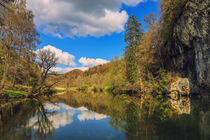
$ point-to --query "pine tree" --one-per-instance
(132, 38)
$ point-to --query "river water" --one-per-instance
(80, 116)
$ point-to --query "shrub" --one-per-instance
(161, 86)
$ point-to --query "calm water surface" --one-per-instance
(77, 116)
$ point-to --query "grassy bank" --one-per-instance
(21, 92)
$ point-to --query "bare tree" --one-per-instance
(46, 60)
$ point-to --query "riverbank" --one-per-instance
(20, 92)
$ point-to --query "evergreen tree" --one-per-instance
(132, 38)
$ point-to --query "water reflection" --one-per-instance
(82, 116)
(53, 119)
(57, 107)
(89, 115)
(181, 106)
(42, 127)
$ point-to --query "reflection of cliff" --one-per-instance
(181, 106)
(201, 109)
(205, 125)
(88, 115)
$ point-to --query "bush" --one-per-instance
(161, 86)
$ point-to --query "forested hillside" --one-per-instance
(167, 58)
(23, 71)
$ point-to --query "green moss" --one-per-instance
(73, 89)
(14, 100)
(14, 93)
(57, 90)
(109, 89)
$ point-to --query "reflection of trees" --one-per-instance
(142, 123)
(117, 123)
(43, 126)
(15, 119)
(174, 126)
(149, 118)
(135, 120)
(132, 118)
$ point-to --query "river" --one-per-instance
(80, 116)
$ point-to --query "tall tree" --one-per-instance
(18, 38)
(132, 38)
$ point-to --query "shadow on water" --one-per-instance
(145, 118)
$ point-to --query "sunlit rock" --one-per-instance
(180, 86)
(181, 106)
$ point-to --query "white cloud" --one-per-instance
(57, 107)
(64, 58)
(71, 18)
(67, 118)
(65, 70)
(88, 115)
(88, 62)
(132, 2)
(62, 107)
(82, 108)
(55, 119)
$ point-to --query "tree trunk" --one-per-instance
(4, 77)
(13, 81)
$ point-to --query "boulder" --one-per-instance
(180, 86)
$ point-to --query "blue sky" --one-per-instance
(77, 34)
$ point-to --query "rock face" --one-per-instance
(189, 48)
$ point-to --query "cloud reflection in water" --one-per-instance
(60, 115)
(88, 115)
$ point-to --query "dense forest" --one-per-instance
(143, 67)
(23, 70)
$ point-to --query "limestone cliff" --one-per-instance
(189, 48)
